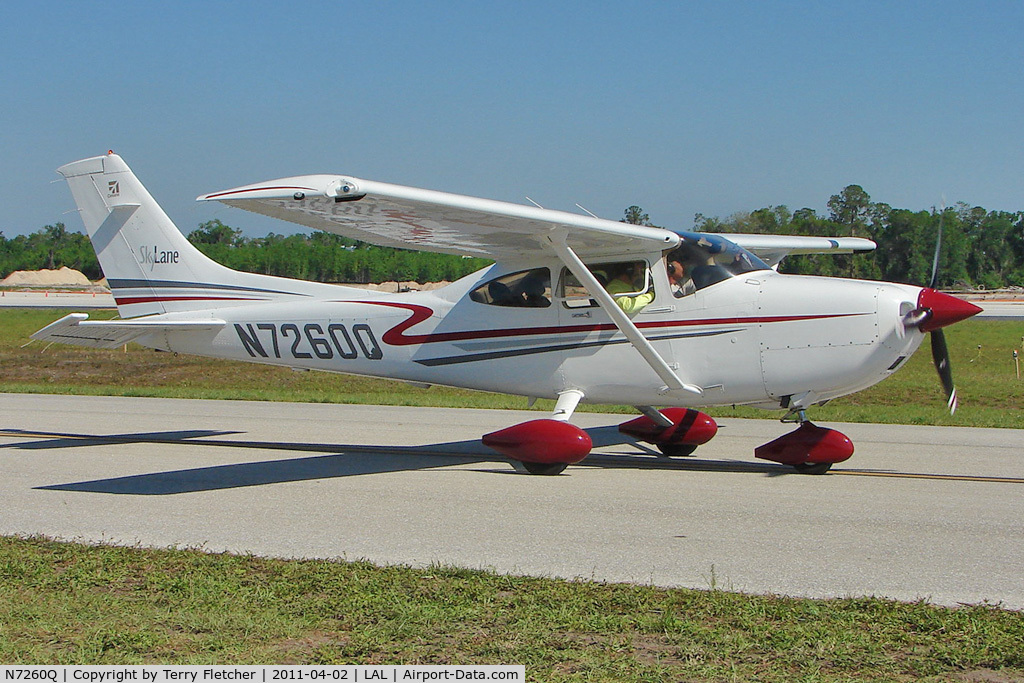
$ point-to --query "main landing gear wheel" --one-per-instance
(813, 467)
(545, 468)
(676, 450)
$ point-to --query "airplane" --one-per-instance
(574, 308)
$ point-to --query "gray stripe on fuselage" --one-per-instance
(511, 353)
(173, 284)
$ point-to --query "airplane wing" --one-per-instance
(428, 220)
(75, 328)
(773, 248)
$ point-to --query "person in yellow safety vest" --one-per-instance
(621, 282)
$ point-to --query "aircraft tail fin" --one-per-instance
(150, 267)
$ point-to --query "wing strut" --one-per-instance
(619, 317)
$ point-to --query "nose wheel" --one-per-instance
(806, 467)
(809, 449)
(812, 467)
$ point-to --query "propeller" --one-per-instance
(940, 356)
(934, 311)
(940, 352)
(938, 249)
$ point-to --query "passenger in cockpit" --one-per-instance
(623, 279)
(533, 289)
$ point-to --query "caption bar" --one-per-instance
(420, 673)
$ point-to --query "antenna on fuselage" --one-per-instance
(587, 211)
(533, 202)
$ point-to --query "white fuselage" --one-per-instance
(760, 338)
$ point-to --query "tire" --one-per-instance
(545, 468)
(813, 467)
(676, 450)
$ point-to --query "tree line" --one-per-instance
(980, 248)
(320, 256)
(326, 257)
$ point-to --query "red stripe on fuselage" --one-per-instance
(127, 301)
(396, 335)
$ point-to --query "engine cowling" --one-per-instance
(807, 444)
(543, 441)
(689, 428)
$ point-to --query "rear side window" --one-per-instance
(524, 289)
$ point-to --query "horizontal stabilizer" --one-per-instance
(77, 329)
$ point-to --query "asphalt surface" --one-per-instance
(918, 512)
(57, 299)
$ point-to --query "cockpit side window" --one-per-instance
(702, 260)
(523, 289)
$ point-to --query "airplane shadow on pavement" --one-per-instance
(337, 460)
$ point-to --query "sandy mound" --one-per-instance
(65, 277)
(392, 286)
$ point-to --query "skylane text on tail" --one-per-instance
(575, 308)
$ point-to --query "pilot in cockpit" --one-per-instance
(679, 263)
(677, 278)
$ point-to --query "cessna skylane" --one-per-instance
(575, 308)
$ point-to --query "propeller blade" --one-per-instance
(936, 310)
(938, 249)
(940, 355)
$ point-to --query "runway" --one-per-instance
(918, 512)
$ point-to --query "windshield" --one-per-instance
(707, 259)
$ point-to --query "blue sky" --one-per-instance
(681, 107)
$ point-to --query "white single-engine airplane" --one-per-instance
(575, 308)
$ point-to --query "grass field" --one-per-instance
(68, 603)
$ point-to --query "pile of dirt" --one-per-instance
(47, 279)
(1005, 294)
(68, 278)
(409, 286)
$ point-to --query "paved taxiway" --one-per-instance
(918, 512)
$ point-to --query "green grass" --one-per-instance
(990, 393)
(64, 603)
